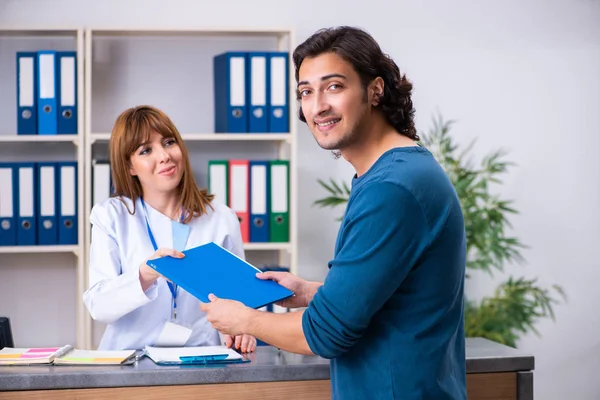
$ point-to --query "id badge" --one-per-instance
(173, 335)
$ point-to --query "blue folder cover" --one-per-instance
(212, 269)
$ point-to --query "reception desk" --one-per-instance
(493, 372)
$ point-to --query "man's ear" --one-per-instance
(376, 91)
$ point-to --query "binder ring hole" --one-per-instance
(26, 114)
(68, 223)
(26, 224)
(47, 224)
(237, 113)
(47, 109)
(279, 219)
(258, 222)
(5, 224)
(67, 114)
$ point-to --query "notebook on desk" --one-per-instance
(65, 355)
(97, 357)
(212, 269)
(33, 355)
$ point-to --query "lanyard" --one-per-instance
(172, 286)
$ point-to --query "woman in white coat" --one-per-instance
(157, 210)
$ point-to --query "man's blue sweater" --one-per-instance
(390, 312)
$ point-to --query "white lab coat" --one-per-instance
(120, 243)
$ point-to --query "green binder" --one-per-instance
(218, 180)
(279, 201)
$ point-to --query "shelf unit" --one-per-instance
(75, 249)
(285, 144)
(32, 39)
(12, 138)
(214, 137)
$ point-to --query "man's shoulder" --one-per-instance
(404, 167)
(411, 179)
(419, 173)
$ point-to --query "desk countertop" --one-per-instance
(267, 364)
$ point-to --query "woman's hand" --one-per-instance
(147, 274)
(245, 343)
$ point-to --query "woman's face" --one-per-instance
(158, 164)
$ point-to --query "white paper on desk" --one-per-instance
(173, 335)
(173, 354)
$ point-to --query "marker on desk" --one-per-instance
(140, 355)
(63, 351)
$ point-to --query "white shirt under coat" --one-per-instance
(120, 243)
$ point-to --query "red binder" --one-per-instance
(239, 190)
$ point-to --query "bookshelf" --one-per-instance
(40, 249)
(12, 138)
(26, 270)
(172, 70)
(215, 137)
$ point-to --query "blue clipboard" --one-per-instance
(212, 269)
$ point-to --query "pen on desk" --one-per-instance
(63, 351)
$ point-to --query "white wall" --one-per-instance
(523, 75)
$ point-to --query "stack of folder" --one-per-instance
(46, 92)
(258, 191)
(251, 92)
(38, 203)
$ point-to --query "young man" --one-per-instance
(390, 312)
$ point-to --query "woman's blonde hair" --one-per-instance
(134, 127)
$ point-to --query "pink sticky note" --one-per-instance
(35, 355)
(43, 350)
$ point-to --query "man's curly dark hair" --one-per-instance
(359, 49)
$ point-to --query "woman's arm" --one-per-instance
(111, 293)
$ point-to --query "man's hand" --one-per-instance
(303, 290)
(227, 316)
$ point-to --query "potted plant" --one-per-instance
(517, 304)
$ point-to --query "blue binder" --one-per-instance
(257, 73)
(47, 203)
(26, 93)
(26, 204)
(212, 269)
(47, 90)
(259, 201)
(279, 92)
(67, 202)
(8, 204)
(66, 64)
(229, 74)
